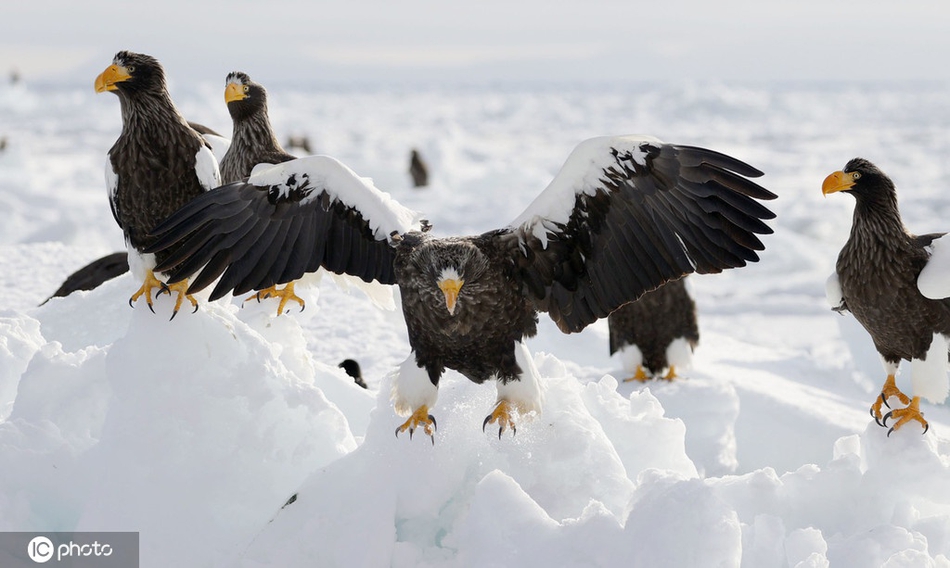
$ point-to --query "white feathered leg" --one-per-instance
(928, 376)
(413, 394)
(517, 398)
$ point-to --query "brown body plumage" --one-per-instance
(155, 157)
(653, 322)
(158, 164)
(492, 313)
(877, 271)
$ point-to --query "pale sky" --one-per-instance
(486, 40)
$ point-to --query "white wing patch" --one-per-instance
(219, 145)
(206, 168)
(383, 213)
(833, 292)
(580, 174)
(934, 279)
(263, 166)
(112, 181)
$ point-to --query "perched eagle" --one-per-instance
(896, 287)
(93, 274)
(352, 369)
(418, 169)
(624, 215)
(655, 333)
(158, 163)
(253, 143)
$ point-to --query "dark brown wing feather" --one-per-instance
(681, 209)
(93, 274)
(252, 239)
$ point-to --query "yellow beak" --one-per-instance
(838, 181)
(450, 287)
(107, 79)
(234, 92)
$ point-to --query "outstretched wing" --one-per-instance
(626, 214)
(282, 222)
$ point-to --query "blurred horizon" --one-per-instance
(431, 42)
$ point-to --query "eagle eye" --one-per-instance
(855, 175)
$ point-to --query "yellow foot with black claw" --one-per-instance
(905, 415)
(888, 390)
(180, 288)
(640, 376)
(148, 285)
(286, 295)
(503, 415)
(670, 374)
(420, 417)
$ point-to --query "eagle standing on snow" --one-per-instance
(895, 287)
(624, 215)
(418, 170)
(253, 143)
(655, 333)
(158, 163)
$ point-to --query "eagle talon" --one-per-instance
(421, 417)
(905, 415)
(875, 416)
(640, 376)
(502, 414)
(888, 390)
(286, 294)
(145, 289)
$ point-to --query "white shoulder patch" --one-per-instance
(324, 173)
(219, 145)
(580, 174)
(261, 167)
(206, 167)
(112, 180)
(833, 292)
(934, 279)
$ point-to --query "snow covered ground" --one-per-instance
(196, 432)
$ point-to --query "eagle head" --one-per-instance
(243, 96)
(453, 267)
(132, 73)
(859, 177)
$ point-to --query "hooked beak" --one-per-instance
(107, 79)
(838, 181)
(450, 287)
(234, 92)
